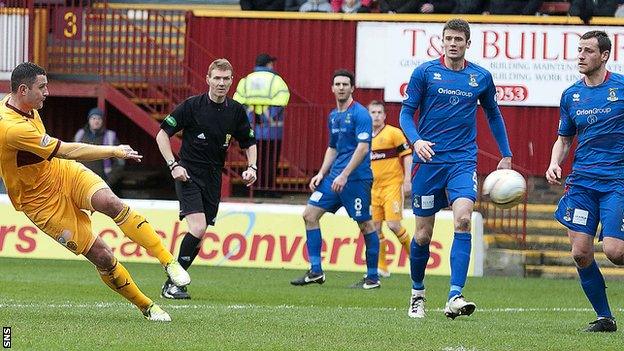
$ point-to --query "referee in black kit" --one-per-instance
(209, 122)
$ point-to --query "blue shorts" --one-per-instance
(436, 186)
(585, 205)
(355, 197)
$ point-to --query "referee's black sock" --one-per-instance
(188, 250)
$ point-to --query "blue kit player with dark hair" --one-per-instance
(592, 109)
(446, 91)
(345, 179)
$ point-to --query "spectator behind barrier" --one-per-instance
(512, 7)
(586, 9)
(407, 6)
(475, 7)
(293, 5)
(94, 132)
(262, 5)
(316, 6)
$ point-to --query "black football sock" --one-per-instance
(189, 248)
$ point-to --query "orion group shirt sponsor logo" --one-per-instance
(593, 111)
(455, 92)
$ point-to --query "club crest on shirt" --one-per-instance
(473, 80)
(348, 119)
(576, 97)
(568, 214)
(613, 94)
(416, 202)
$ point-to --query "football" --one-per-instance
(505, 187)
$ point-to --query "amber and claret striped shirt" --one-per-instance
(389, 147)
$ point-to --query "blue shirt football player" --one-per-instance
(345, 179)
(592, 109)
(446, 92)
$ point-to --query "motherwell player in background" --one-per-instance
(391, 161)
(44, 182)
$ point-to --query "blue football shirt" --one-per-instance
(447, 100)
(596, 116)
(346, 130)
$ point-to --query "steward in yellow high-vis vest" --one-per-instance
(265, 94)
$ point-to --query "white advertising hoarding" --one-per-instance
(531, 64)
(14, 29)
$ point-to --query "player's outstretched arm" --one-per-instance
(560, 151)
(88, 152)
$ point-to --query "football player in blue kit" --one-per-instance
(446, 91)
(592, 109)
(345, 179)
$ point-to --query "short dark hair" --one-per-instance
(344, 73)
(377, 103)
(604, 43)
(25, 73)
(459, 25)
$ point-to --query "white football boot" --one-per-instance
(458, 306)
(417, 304)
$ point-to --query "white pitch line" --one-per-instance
(107, 305)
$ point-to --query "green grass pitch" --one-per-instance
(63, 305)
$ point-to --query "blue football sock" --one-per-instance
(594, 287)
(419, 256)
(460, 259)
(372, 255)
(313, 244)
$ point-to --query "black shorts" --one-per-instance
(200, 194)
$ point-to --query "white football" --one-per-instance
(505, 187)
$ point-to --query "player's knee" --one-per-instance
(463, 225)
(422, 239)
(309, 218)
(582, 258)
(367, 227)
(394, 226)
(197, 230)
(615, 254)
(102, 257)
(112, 205)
